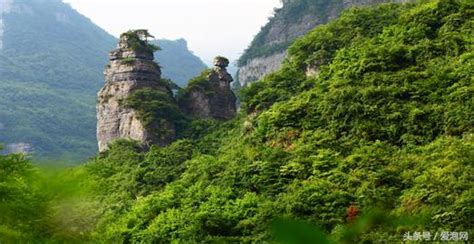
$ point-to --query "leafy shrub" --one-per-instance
(137, 40)
(18, 199)
(156, 108)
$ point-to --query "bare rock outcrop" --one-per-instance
(209, 95)
(258, 67)
(131, 68)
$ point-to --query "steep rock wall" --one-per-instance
(209, 96)
(258, 67)
(131, 68)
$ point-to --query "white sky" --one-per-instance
(211, 27)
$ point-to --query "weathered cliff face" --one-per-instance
(209, 96)
(131, 68)
(296, 18)
(258, 67)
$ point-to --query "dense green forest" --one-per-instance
(375, 141)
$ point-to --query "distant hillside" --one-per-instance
(294, 19)
(51, 67)
(177, 62)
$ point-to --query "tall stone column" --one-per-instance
(212, 97)
(131, 67)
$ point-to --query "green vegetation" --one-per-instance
(222, 60)
(378, 143)
(45, 204)
(18, 201)
(50, 73)
(156, 109)
(198, 83)
(405, 79)
(138, 41)
(152, 104)
(52, 120)
(201, 81)
(292, 11)
(129, 61)
(386, 124)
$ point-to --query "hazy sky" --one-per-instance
(211, 27)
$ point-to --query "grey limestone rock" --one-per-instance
(130, 68)
(214, 99)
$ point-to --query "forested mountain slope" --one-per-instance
(366, 133)
(384, 120)
(51, 67)
(295, 18)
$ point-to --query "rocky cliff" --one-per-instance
(131, 69)
(296, 18)
(209, 96)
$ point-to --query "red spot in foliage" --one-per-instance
(352, 212)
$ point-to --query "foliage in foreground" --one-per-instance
(44, 204)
